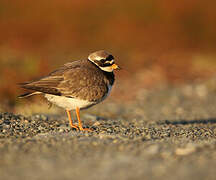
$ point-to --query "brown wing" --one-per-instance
(48, 84)
(84, 83)
(72, 80)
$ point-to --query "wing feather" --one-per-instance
(72, 80)
(84, 83)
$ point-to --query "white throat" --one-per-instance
(107, 69)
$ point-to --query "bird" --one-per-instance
(77, 85)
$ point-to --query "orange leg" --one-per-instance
(79, 121)
(70, 120)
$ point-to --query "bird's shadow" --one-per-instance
(187, 122)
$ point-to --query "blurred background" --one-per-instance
(158, 43)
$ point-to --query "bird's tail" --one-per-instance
(28, 94)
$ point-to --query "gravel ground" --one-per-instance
(164, 134)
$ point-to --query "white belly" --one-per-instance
(73, 103)
(68, 103)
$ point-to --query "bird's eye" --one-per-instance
(109, 58)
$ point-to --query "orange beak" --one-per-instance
(115, 66)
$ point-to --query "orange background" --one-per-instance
(156, 42)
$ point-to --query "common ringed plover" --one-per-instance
(77, 85)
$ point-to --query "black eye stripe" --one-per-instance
(109, 58)
(106, 65)
(99, 63)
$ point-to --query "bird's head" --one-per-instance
(104, 60)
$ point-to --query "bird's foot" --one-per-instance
(85, 129)
(74, 127)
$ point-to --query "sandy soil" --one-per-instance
(168, 133)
